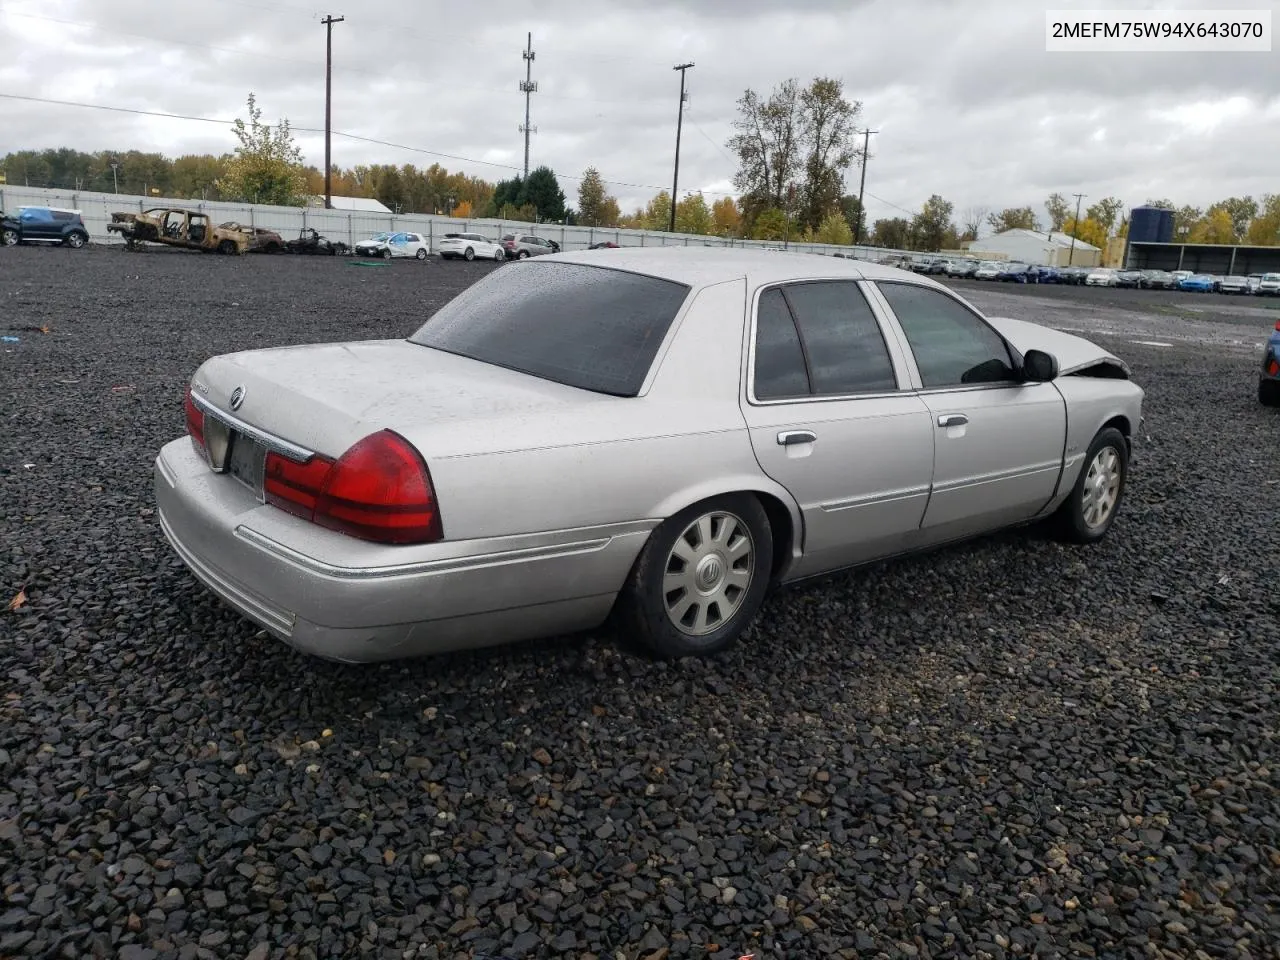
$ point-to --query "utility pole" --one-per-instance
(115, 180)
(1075, 227)
(675, 177)
(862, 215)
(328, 22)
(528, 88)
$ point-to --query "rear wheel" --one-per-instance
(227, 247)
(500, 255)
(422, 253)
(470, 254)
(76, 240)
(1088, 513)
(1269, 392)
(700, 579)
(9, 238)
(522, 255)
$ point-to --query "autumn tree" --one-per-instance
(971, 221)
(267, 166)
(591, 198)
(1105, 212)
(1264, 228)
(693, 215)
(834, 229)
(463, 211)
(726, 219)
(609, 213)
(1088, 230)
(1214, 227)
(1239, 210)
(1013, 218)
(931, 228)
(797, 143)
(1058, 209)
(894, 233)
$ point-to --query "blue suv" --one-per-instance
(43, 225)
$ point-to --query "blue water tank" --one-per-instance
(1150, 225)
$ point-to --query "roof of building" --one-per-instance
(366, 204)
(1060, 238)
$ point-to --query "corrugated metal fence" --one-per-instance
(350, 227)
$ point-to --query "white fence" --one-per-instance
(342, 225)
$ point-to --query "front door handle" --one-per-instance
(952, 420)
(788, 437)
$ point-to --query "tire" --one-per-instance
(1269, 392)
(386, 253)
(469, 255)
(1105, 471)
(643, 604)
(76, 240)
(421, 254)
(522, 255)
(500, 256)
(9, 238)
(227, 248)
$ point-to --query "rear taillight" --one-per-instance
(1278, 324)
(379, 490)
(195, 421)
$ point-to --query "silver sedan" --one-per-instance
(645, 436)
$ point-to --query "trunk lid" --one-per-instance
(325, 397)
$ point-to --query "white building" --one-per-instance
(1032, 246)
(353, 204)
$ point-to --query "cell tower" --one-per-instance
(528, 87)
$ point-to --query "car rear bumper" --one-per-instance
(344, 599)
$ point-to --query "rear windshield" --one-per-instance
(590, 327)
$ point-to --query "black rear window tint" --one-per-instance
(589, 327)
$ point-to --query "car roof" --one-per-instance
(701, 266)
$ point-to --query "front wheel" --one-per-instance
(700, 579)
(386, 253)
(421, 254)
(500, 255)
(9, 238)
(1090, 509)
(523, 255)
(469, 254)
(227, 247)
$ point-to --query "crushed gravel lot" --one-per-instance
(1008, 748)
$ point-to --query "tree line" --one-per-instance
(794, 149)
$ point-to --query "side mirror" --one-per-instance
(1039, 367)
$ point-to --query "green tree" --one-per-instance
(1161, 204)
(932, 228)
(828, 122)
(197, 175)
(834, 229)
(591, 198)
(1059, 210)
(1013, 218)
(1105, 212)
(1264, 229)
(542, 190)
(894, 233)
(854, 215)
(267, 166)
(657, 214)
(771, 224)
(610, 214)
(1184, 221)
(694, 216)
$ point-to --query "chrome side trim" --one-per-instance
(237, 596)
(980, 479)
(273, 443)
(443, 565)
(892, 496)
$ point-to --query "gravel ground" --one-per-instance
(1011, 748)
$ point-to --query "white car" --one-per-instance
(1269, 285)
(468, 246)
(1102, 278)
(1235, 284)
(988, 270)
(388, 245)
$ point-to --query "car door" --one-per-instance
(830, 422)
(999, 441)
(37, 223)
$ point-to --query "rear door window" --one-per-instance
(841, 337)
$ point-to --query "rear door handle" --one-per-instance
(788, 437)
(952, 420)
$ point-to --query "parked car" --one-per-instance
(311, 243)
(1255, 279)
(177, 227)
(468, 246)
(44, 225)
(416, 516)
(1075, 276)
(963, 267)
(610, 245)
(1181, 275)
(1046, 274)
(1158, 280)
(520, 246)
(262, 240)
(1234, 283)
(988, 270)
(1269, 378)
(1197, 282)
(388, 245)
(1269, 285)
(1131, 279)
(1016, 271)
(1101, 277)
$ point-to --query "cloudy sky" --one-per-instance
(968, 103)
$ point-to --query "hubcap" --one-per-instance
(1101, 487)
(708, 572)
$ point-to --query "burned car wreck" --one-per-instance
(176, 227)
